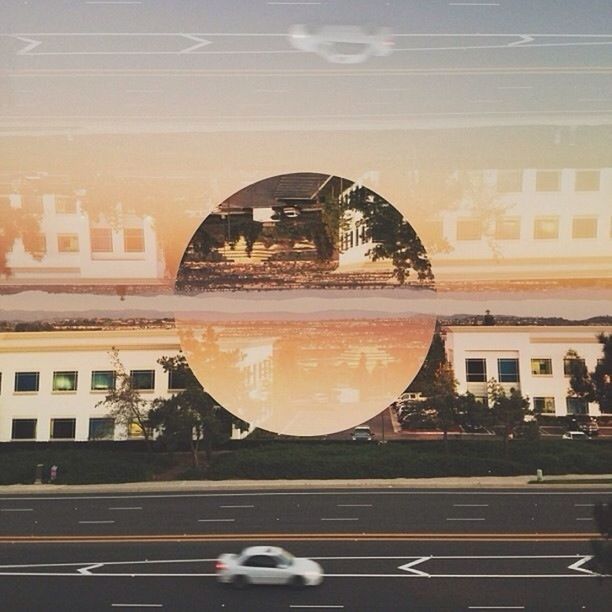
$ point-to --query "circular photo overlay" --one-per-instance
(308, 289)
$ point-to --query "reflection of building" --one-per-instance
(75, 248)
(531, 359)
(525, 223)
(50, 382)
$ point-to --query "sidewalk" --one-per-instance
(478, 482)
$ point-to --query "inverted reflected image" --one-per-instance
(309, 288)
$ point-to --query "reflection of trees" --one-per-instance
(210, 362)
(393, 237)
(19, 223)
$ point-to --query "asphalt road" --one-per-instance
(374, 511)
(388, 549)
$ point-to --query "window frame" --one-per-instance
(541, 360)
(104, 234)
(99, 420)
(133, 377)
(64, 420)
(541, 178)
(129, 235)
(74, 246)
(22, 420)
(66, 374)
(95, 389)
(539, 232)
(547, 402)
(591, 223)
(36, 378)
(502, 377)
(484, 370)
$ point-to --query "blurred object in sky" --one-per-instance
(342, 44)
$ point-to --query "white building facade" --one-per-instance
(72, 247)
(533, 359)
(51, 382)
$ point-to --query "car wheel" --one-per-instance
(298, 582)
(240, 582)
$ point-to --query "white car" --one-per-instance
(267, 565)
(575, 435)
(342, 44)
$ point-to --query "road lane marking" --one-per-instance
(217, 520)
(340, 519)
(16, 509)
(314, 492)
(354, 505)
(320, 606)
(239, 506)
(496, 608)
(585, 518)
(465, 519)
(126, 508)
(96, 522)
(471, 505)
(584, 505)
(136, 605)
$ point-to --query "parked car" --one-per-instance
(575, 435)
(267, 565)
(362, 434)
(584, 423)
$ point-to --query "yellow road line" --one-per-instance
(294, 537)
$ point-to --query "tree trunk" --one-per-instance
(195, 459)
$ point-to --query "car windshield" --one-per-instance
(285, 558)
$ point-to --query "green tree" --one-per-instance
(436, 356)
(190, 416)
(443, 398)
(581, 384)
(124, 402)
(508, 411)
(602, 375)
(394, 238)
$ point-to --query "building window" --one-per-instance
(508, 370)
(508, 228)
(26, 382)
(134, 430)
(143, 380)
(546, 228)
(469, 229)
(68, 243)
(102, 380)
(101, 429)
(509, 181)
(23, 429)
(65, 381)
(65, 206)
(101, 239)
(576, 405)
(584, 227)
(587, 180)
(544, 405)
(573, 364)
(133, 240)
(177, 380)
(476, 370)
(541, 367)
(548, 180)
(63, 429)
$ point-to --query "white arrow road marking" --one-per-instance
(200, 42)
(86, 571)
(409, 567)
(32, 44)
(578, 565)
